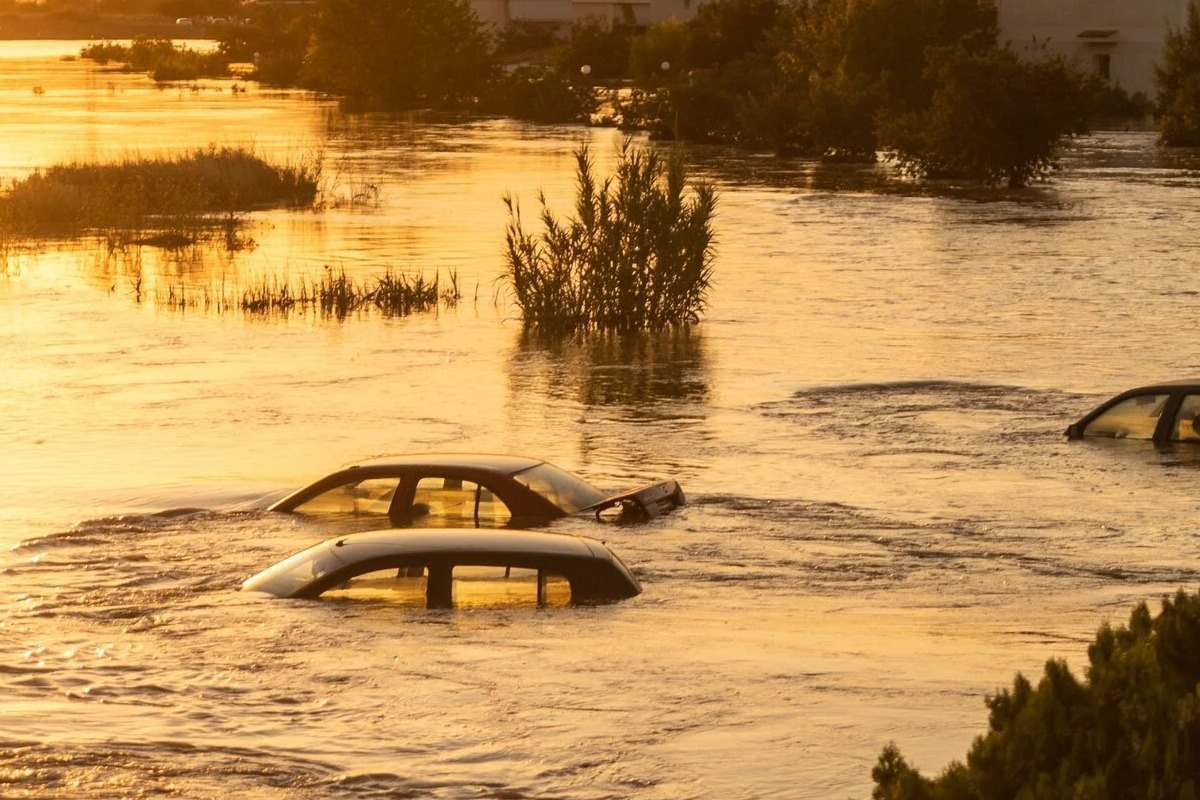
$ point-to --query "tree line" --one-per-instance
(924, 83)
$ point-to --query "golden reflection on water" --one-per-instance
(858, 562)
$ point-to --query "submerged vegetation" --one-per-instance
(161, 58)
(170, 200)
(333, 294)
(1131, 729)
(338, 294)
(637, 256)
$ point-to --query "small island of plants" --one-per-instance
(179, 198)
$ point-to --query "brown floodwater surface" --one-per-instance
(885, 522)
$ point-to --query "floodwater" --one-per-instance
(885, 521)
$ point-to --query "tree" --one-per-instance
(993, 117)
(400, 53)
(1178, 82)
(276, 41)
(1131, 730)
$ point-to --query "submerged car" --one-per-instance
(1161, 412)
(482, 491)
(439, 568)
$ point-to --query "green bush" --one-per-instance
(541, 95)
(994, 117)
(400, 54)
(637, 256)
(161, 58)
(1178, 82)
(1131, 730)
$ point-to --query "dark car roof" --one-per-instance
(499, 463)
(1172, 385)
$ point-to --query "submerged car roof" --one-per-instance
(500, 463)
(423, 541)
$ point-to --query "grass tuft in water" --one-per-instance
(336, 294)
(638, 255)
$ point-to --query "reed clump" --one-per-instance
(637, 256)
(142, 198)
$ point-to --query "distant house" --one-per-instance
(560, 15)
(1120, 40)
(556, 15)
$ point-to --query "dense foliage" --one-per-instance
(275, 41)
(637, 256)
(847, 80)
(400, 54)
(992, 117)
(921, 81)
(161, 58)
(1178, 82)
(1132, 729)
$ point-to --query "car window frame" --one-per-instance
(592, 580)
(1166, 417)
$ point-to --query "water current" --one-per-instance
(885, 522)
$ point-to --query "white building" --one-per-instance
(555, 14)
(562, 14)
(1121, 40)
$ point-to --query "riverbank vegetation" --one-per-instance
(922, 83)
(169, 200)
(637, 256)
(818, 78)
(1130, 729)
(1178, 82)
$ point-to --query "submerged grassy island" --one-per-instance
(168, 200)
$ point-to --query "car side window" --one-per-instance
(369, 497)
(404, 587)
(1134, 418)
(453, 502)
(470, 587)
(1187, 420)
(475, 587)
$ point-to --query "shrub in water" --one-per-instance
(1132, 729)
(637, 256)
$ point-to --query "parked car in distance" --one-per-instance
(456, 490)
(1161, 412)
(441, 568)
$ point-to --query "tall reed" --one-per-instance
(637, 256)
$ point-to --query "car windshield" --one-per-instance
(293, 574)
(1135, 418)
(560, 487)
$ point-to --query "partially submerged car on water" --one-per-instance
(482, 491)
(440, 568)
(1161, 412)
